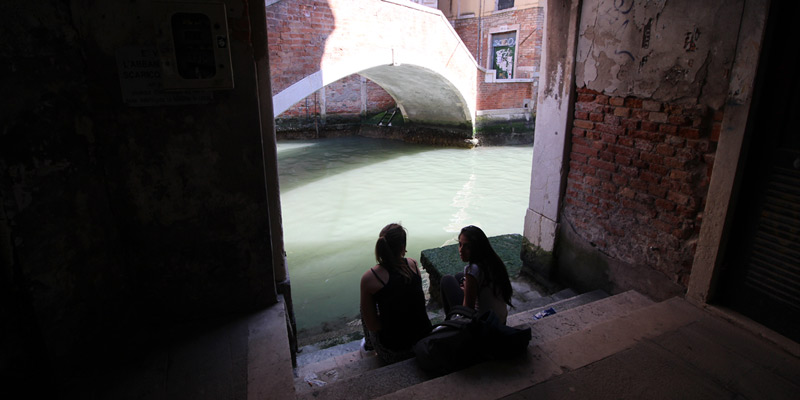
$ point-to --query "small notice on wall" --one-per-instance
(140, 79)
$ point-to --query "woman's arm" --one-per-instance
(369, 310)
(470, 290)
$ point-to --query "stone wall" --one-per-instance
(115, 217)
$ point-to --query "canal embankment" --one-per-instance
(489, 129)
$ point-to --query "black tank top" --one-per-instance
(401, 310)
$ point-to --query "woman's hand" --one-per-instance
(470, 285)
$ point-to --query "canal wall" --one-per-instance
(498, 133)
(410, 133)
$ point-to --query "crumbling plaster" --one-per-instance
(676, 51)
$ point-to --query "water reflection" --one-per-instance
(337, 194)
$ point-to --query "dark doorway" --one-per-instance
(761, 268)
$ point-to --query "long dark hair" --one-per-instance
(482, 254)
(389, 249)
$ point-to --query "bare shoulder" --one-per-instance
(369, 282)
(368, 276)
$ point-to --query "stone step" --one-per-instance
(577, 317)
(526, 295)
(559, 302)
(559, 347)
(331, 370)
(350, 376)
(312, 354)
(325, 366)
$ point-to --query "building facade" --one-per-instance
(504, 38)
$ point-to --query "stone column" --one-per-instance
(554, 115)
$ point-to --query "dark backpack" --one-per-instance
(466, 338)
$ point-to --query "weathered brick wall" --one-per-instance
(493, 96)
(638, 178)
(377, 99)
(467, 29)
(342, 98)
(297, 31)
(496, 96)
(529, 48)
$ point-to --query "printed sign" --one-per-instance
(140, 80)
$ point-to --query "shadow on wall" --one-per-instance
(581, 265)
(298, 31)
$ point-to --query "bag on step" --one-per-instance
(466, 338)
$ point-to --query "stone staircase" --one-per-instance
(560, 336)
(622, 346)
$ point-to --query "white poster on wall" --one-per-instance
(139, 71)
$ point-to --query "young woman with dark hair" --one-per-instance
(392, 301)
(484, 284)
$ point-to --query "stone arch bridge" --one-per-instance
(411, 51)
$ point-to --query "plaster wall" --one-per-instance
(676, 51)
(471, 8)
(114, 216)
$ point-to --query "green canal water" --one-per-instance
(337, 194)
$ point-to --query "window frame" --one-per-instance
(497, 5)
(490, 51)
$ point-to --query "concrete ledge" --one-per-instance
(269, 360)
(442, 261)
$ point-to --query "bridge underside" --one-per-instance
(424, 96)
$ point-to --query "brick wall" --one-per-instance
(496, 96)
(529, 47)
(638, 178)
(377, 99)
(343, 98)
(493, 96)
(467, 29)
(297, 31)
